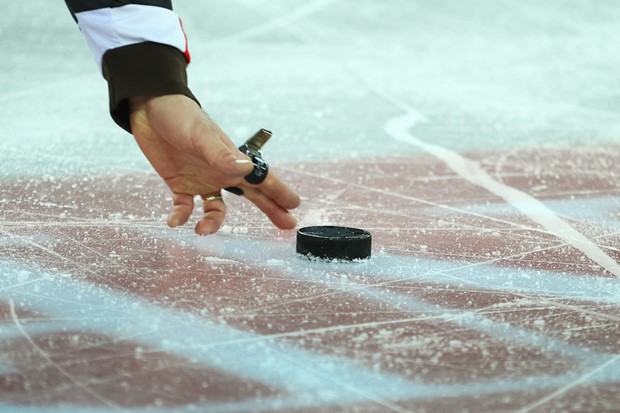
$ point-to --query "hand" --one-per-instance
(195, 157)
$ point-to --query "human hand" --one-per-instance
(195, 157)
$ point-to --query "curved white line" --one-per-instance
(398, 128)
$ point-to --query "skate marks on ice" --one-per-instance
(465, 302)
(535, 210)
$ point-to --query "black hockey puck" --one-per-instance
(334, 243)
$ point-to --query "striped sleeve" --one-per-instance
(139, 46)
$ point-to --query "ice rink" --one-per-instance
(478, 141)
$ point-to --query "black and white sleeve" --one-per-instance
(139, 46)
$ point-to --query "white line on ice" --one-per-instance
(398, 128)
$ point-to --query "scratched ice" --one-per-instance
(478, 142)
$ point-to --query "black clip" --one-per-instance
(252, 148)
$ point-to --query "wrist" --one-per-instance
(139, 72)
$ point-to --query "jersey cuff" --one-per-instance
(143, 69)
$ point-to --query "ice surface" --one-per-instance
(477, 141)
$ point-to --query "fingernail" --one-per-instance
(242, 161)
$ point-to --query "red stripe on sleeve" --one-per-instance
(188, 57)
